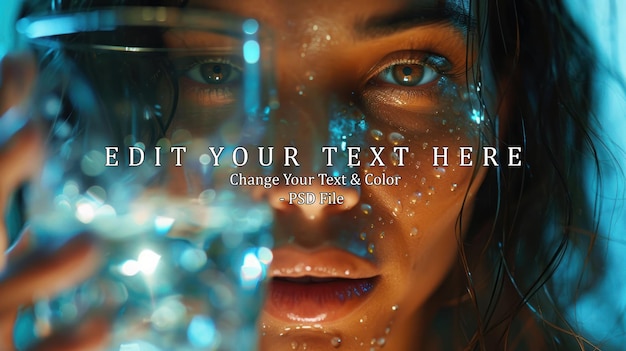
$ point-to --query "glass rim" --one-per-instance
(43, 28)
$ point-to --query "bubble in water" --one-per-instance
(453, 186)
(366, 209)
(336, 341)
(413, 231)
(376, 134)
(395, 138)
(92, 163)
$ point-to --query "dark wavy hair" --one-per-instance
(532, 219)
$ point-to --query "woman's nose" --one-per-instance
(310, 189)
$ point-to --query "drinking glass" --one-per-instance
(137, 104)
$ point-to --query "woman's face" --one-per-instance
(369, 73)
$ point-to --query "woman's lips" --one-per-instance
(317, 286)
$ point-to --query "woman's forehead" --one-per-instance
(337, 10)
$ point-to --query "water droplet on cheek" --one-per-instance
(413, 232)
(453, 186)
(381, 341)
(431, 190)
(397, 208)
(335, 342)
(294, 345)
(376, 134)
(362, 236)
(366, 209)
(395, 138)
(415, 198)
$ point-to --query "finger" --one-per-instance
(17, 74)
(50, 274)
(22, 157)
(90, 336)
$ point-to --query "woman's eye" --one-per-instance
(408, 74)
(214, 73)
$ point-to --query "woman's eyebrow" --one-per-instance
(415, 16)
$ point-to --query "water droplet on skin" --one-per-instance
(347, 272)
(453, 186)
(397, 208)
(376, 134)
(431, 190)
(395, 158)
(336, 341)
(439, 171)
(381, 235)
(387, 330)
(328, 37)
(423, 180)
(362, 236)
(381, 341)
(315, 27)
(417, 196)
(294, 345)
(413, 232)
(424, 146)
(410, 213)
(366, 209)
(395, 138)
(394, 307)
(443, 122)
(300, 89)
(370, 248)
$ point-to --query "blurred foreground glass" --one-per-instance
(131, 100)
